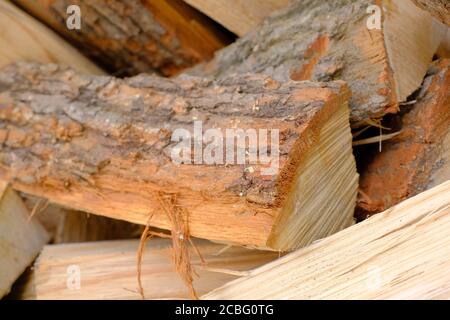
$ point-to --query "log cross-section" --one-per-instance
(106, 146)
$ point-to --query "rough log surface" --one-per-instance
(329, 40)
(317, 40)
(103, 145)
(163, 36)
(438, 8)
(418, 158)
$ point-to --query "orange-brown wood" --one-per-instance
(103, 145)
(419, 157)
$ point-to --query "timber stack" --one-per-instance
(224, 149)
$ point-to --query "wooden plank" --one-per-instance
(402, 253)
(338, 39)
(20, 239)
(24, 38)
(130, 37)
(108, 269)
(238, 16)
(419, 157)
(114, 151)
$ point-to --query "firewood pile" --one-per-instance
(212, 149)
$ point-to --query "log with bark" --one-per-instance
(438, 8)
(370, 48)
(129, 37)
(112, 147)
(21, 240)
(402, 253)
(24, 38)
(419, 157)
(108, 269)
(238, 16)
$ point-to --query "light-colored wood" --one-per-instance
(108, 269)
(418, 158)
(20, 239)
(238, 16)
(24, 38)
(112, 148)
(130, 37)
(412, 37)
(402, 253)
(383, 60)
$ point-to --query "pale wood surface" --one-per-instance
(20, 239)
(22, 38)
(108, 269)
(402, 253)
(238, 16)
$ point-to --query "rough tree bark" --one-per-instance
(328, 40)
(418, 158)
(129, 37)
(103, 145)
(438, 8)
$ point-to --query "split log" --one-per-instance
(130, 37)
(403, 253)
(238, 16)
(329, 40)
(108, 269)
(20, 239)
(111, 147)
(24, 38)
(438, 8)
(419, 157)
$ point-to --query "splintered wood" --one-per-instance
(21, 239)
(22, 38)
(330, 40)
(108, 269)
(104, 146)
(402, 253)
